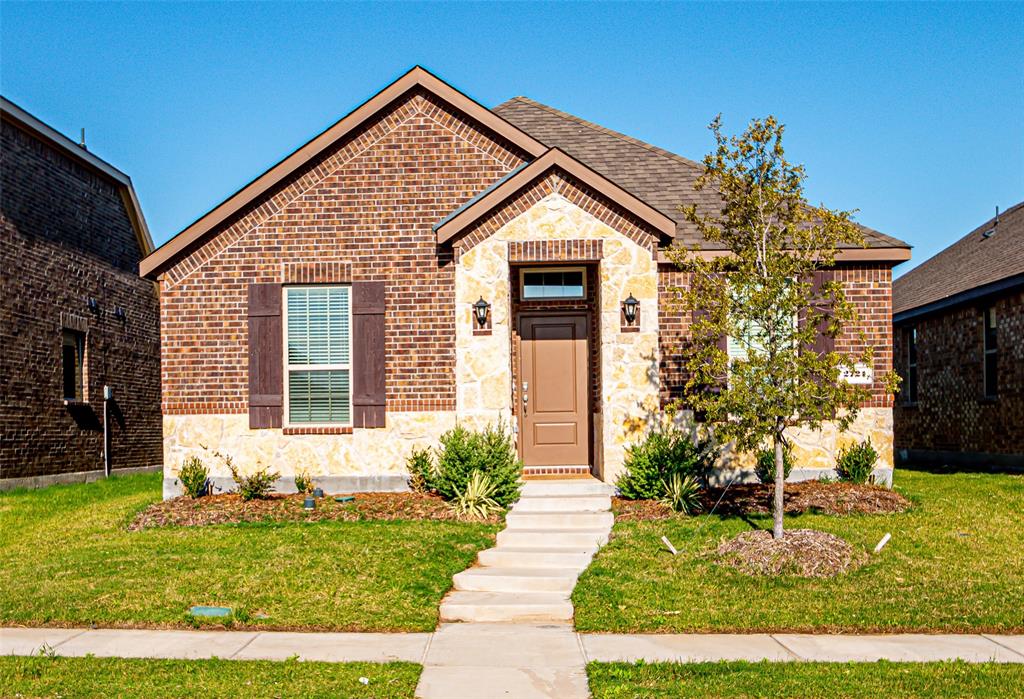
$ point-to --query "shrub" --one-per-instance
(194, 477)
(765, 468)
(422, 471)
(682, 493)
(664, 453)
(463, 452)
(476, 501)
(303, 481)
(856, 462)
(256, 486)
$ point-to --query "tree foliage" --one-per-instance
(762, 294)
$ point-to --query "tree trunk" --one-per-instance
(780, 479)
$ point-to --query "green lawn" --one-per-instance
(153, 679)
(805, 680)
(955, 563)
(68, 559)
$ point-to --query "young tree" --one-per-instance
(764, 295)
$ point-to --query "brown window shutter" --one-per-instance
(266, 357)
(368, 396)
(823, 342)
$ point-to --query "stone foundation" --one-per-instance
(367, 459)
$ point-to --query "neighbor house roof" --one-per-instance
(492, 197)
(17, 116)
(657, 176)
(986, 259)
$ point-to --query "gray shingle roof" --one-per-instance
(659, 177)
(971, 262)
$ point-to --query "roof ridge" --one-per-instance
(603, 129)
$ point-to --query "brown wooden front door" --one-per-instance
(553, 378)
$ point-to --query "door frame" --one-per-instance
(518, 376)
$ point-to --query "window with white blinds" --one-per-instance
(318, 375)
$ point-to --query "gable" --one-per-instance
(271, 190)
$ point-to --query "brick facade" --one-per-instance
(867, 286)
(66, 237)
(951, 414)
(365, 209)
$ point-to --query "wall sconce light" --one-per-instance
(629, 309)
(480, 310)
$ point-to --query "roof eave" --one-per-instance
(969, 295)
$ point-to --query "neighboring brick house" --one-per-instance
(959, 345)
(74, 314)
(368, 254)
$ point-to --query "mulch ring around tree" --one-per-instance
(804, 497)
(229, 508)
(804, 553)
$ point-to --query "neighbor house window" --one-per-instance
(73, 364)
(910, 390)
(990, 337)
(553, 283)
(318, 375)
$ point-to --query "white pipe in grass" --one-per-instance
(883, 542)
(670, 546)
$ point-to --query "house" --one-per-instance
(426, 260)
(74, 315)
(959, 334)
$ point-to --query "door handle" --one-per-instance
(526, 396)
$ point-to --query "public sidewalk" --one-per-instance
(514, 660)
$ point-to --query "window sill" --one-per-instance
(317, 430)
(70, 403)
(908, 404)
(988, 399)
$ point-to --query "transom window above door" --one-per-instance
(553, 283)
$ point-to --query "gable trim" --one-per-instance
(490, 199)
(416, 77)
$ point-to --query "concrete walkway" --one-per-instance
(510, 660)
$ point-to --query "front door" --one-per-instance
(553, 376)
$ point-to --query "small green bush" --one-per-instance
(194, 477)
(765, 468)
(856, 462)
(256, 486)
(303, 481)
(682, 493)
(476, 501)
(664, 453)
(463, 452)
(422, 470)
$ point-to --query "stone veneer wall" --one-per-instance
(628, 360)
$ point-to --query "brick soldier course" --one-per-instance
(72, 235)
(439, 202)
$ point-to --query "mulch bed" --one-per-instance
(756, 498)
(229, 508)
(804, 553)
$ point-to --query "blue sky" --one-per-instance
(911, 113)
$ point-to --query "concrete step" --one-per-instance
(517, 580)
(526, 607)
(559, 520)
(563, 503)
(552, 538)
(571, 557)
(569, 486)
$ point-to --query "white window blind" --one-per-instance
(318, 357)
